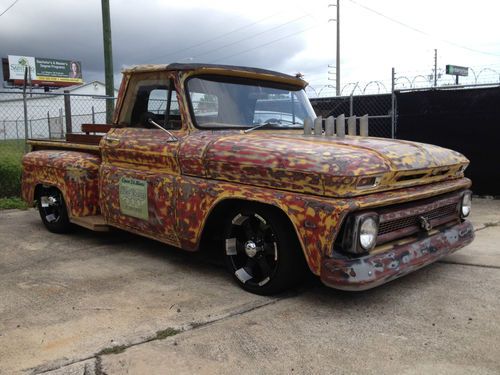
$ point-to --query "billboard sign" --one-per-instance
(44, 71)
(457, 70)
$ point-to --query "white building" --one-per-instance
(46, 111)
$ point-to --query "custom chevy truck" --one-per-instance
(199, 153)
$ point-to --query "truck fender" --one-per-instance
(75, 174)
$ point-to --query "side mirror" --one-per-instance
(172, 137)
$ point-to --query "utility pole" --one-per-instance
(435, 67)
(337, 62)
(108, 60)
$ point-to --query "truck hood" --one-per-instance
(323, 165)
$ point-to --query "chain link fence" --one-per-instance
(379, 108)
(39, 116)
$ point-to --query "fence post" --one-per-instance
(31, 129)
(351, 105)
(393, 104)
(4, 131)
(93, 115)
(17, 131)
(61, 121)
(67, 111)
(48, 124)
(25, 105)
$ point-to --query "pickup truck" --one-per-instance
(219, 155)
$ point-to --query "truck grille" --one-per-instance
(407, 220)
(390, 226)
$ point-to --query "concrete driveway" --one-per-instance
(115, 303)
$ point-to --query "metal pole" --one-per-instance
(25, 105)
(393, 104)
(93, 115)
(67, 112)
(351, 105)
(435, 67)
(337, 63)
(48, 124)
(108, 60)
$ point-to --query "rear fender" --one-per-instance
(75, 174)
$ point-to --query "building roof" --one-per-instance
(77, 87)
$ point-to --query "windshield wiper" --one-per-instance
(267, 123)
(259, 126)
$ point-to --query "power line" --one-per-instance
(220, 36)
(265, 44)
(420, 31)
(10, 6)
(250, 37)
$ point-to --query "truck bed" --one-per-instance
(84, 141)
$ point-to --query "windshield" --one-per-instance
(223, 102)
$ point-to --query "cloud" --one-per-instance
(283, 35)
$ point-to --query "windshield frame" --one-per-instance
(245, 81)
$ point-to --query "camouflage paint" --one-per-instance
(75, 174)
(311, 179)
(316, 220)
(312, 165)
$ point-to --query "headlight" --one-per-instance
(466, 205)
(368, 230)
(360, 234)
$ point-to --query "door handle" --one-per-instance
(112, 140)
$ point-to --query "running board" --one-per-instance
(95, 223)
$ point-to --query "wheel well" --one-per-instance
(212, 232)
(38, 189)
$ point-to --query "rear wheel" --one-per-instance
(262, 251)
(53, 211)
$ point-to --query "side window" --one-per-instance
(205, 107)
(148, 98)
(157, 102)
(158, 105)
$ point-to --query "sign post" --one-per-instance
(457, 71)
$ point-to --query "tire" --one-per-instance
(262, 251)
(53, 210)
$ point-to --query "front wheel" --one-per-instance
(262, 251)
(53, 211)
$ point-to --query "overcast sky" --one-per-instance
(285, 35)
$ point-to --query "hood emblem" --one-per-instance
(424, 223)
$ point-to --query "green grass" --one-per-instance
(13, 202)
(11, 152)
(112, 350)
(163, 334)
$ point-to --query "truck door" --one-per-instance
(140, 167)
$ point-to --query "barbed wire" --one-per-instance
(409, 80)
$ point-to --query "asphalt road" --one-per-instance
(115, 303)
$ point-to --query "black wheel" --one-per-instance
(53, 211)
(262, 250)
